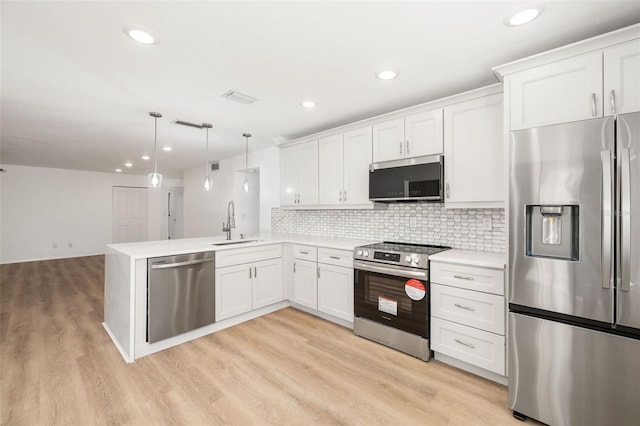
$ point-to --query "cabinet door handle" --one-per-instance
(594, 111)
(255, 272)
(407, 147)
(318, 268)
(294, 267)
(447, 190)
(304, 252)
(344, 196)
(250, 272)
(613, 101)
(400, 147)
(463, 277)
(334, 257)
(462, 342)
(468, 308)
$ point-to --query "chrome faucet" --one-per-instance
(231, 219)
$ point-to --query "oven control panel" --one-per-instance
(389, 257)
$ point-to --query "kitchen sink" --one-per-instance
(231, 242)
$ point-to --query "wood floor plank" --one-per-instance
(58, 366)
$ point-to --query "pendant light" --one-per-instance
(245, 185)
(155, 178)
(206, 182)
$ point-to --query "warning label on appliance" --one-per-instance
(389, 306)
(415, 289)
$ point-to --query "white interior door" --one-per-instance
(129, 214)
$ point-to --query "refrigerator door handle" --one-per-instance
(607, 222)
(625, 220)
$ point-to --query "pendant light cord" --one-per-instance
(155, 146)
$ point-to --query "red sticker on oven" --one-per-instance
(415, 289)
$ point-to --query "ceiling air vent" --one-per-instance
(186, 123)
(239, 97)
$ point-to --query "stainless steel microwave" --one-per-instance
(409, 179)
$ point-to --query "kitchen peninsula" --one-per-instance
(126, 295)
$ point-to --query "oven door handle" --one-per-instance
(390, 270)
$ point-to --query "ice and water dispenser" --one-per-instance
(552, 231)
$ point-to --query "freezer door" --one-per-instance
(628, 221)
(563, 165)
(565, 375)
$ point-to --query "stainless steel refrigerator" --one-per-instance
(574, 272)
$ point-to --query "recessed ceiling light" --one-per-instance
(128, 164)
(166, 148)
(387, 75)
(140, 34)
(146, 157)
(308, 104)
(523, 15)
(118, 170)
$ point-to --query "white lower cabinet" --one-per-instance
(335, 291)
(234, 288)
(468, 314)
(322, 280)
(483, 349)
(247, 286)
(305, 283)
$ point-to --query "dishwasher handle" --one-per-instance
(178, 264)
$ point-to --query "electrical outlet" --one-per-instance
(487, 224)
(413, 223)
(55, 246)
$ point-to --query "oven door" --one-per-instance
(393, 296)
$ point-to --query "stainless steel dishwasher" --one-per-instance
(180, 294)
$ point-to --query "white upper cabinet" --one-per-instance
(558, 92)
(343, 167)
(622, 78)
(412, 136)
(423, 133)
(357, 157)
(299, 174)
(330, 169)
(473, 152)
(388, 140)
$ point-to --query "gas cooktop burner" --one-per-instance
(402, 254)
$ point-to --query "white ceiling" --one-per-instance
(76, 92)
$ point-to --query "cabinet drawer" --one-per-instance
(247, 255)
(481, 348)
(472, 308)
(335, 257)
(305, 252)
(469, 277)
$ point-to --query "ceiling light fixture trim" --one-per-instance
(141, 34)
(308, 104)
(523, 14)
(387, 75)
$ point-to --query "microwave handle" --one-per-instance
(446, 186)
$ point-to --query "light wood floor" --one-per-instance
(58, 366)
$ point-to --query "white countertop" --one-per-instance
(145, 249)
(471, 257)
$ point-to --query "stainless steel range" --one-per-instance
(391, 295)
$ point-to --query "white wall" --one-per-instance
(40, 207)
(205, 211)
